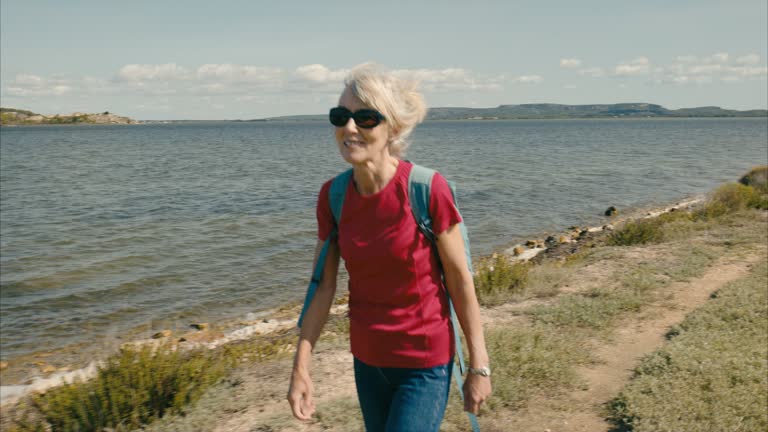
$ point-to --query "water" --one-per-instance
(105, 229)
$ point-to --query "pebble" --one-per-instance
(162, 334)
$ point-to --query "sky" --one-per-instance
(155, 60)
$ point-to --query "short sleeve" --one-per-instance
(441, 205)
(324, 216)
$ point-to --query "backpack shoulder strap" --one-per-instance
(336, 195)
(338, 192)
(419, 190)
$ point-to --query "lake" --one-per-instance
(107, 230)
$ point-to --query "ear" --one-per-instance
(393, 134)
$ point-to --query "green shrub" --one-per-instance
(642, 231)
(133, 388)
(498, 279)
(730, 198)
(757, 178)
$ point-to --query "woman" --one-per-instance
(400, 331)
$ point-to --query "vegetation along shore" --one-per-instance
(17, 117)
(654, 323)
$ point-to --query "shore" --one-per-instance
(43, 370)
(568, 264)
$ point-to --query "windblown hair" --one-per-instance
(395, 97)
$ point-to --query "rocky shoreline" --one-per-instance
(37, 373)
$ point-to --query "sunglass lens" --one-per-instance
(339, 116)
(366, 119)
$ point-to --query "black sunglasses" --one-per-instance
(364, 118)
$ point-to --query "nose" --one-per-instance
(350, 127)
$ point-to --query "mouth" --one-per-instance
(350, 143)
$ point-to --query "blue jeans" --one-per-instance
(402, 399)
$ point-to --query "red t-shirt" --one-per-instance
(398, 309)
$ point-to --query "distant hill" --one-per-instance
(558, 111)
(13, 116)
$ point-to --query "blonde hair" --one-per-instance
(396, 98)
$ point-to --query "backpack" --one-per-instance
(419, 188)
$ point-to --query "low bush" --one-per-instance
(498, 279)
(730, 198)
(132, 389)
(139, 385)
(757, 178)
(642, 231)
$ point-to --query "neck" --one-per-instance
(372, 176)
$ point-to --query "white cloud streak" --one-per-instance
(570, 63)
(687, 69)
(320, 74)
(238, 73)
(238, 81)
(34, 85)
(638, 66)
(145, 72)
(594, 72)
(528, 79)
(749, 59)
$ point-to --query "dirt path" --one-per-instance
(581, 410)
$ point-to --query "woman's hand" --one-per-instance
(477, 388)
(300, 395)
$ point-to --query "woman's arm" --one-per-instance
(461, 287)
(300, 393)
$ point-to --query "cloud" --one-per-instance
(718, 58)
(594, 72)
(749, 59)
(687, 69)
(34, 85)
(450, 79)
(570, 63)
(704, 70)
(528, 79)
(431, 80)
(638, 66)
(747, 71)
(238, 73)
(320, 74)
(146, 72)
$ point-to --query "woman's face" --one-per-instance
(358, 145)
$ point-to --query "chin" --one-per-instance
(354, 157)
